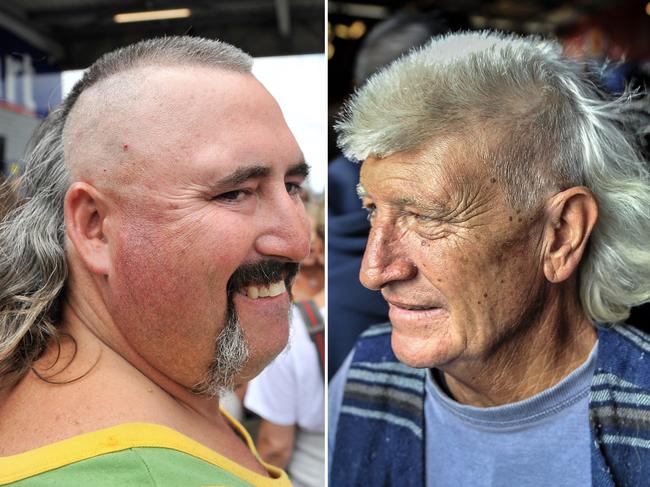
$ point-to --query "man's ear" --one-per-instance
(85, 212)
(572, 215)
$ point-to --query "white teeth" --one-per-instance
(277, 288)
(274, 289)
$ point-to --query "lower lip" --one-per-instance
(397, 314)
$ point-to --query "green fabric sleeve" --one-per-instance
(141, 467)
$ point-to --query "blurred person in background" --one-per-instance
(289, 395)
(508, 203)
(147, 269)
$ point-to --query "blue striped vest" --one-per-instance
(380, 437)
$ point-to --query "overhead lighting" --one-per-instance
(357, 29)
(175, 13)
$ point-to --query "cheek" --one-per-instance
(166, 296)
(479, 278)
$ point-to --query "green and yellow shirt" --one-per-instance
(134, 454)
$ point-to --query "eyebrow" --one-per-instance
(243, 174)
(361, 191)
(300, 169)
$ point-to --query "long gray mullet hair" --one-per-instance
(33, 269)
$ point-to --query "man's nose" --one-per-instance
(384, 260)
(285, 233)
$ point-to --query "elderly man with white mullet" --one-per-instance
(147, 269)
(510, 236)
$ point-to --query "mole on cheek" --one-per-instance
(424, 243)
(125, 147)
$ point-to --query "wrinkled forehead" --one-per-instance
(444, 164)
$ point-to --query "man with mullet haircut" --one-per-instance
(509, 236)
(147, 269)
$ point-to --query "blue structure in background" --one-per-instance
(30, 85)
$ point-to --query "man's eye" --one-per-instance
(371, 209)
(422, 218)
(233, 196)
(293, 188)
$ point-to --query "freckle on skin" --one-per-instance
(493, 180)
(485, 295)
(520, 219)
(125, 147)
(510, 218)
(478, 302)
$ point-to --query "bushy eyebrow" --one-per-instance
(243, 174)
(300, 169)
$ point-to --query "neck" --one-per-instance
(534, 358)
(101, 347)
(98, 344)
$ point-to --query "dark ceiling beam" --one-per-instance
(251, 7)
(31, 35)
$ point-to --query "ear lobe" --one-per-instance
(85, 215)
(572, 217)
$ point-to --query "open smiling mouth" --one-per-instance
(264, 279)
(270, 291)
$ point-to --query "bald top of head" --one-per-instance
(122, 123)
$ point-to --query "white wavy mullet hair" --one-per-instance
(548, 128)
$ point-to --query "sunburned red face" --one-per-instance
(219, 196)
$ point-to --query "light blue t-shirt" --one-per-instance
(544, 440)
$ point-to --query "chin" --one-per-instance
(420, 353)
(262, 353)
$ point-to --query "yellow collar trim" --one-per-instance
(125, 436)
